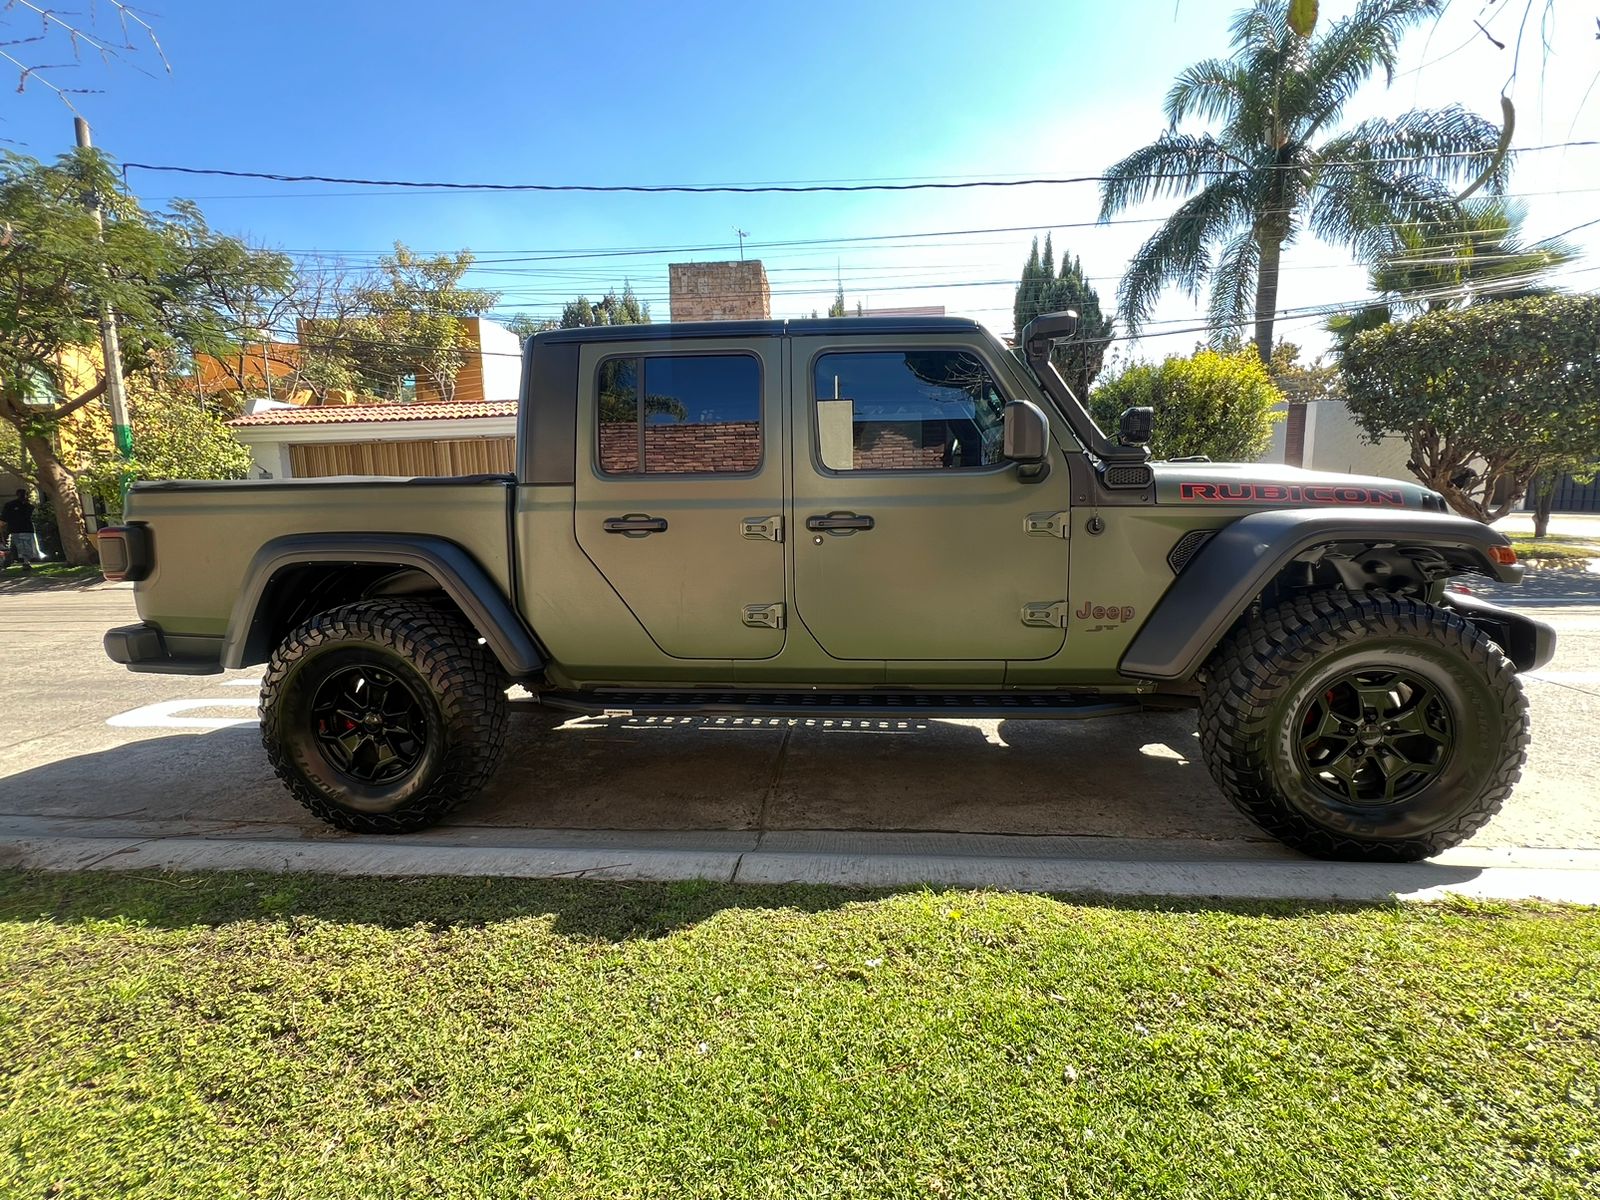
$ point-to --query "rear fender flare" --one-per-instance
(459, 575)
(1233, 568)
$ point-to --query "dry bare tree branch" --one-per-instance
(78, 30)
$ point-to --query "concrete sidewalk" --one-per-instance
(1576, 525)
(1183, 868)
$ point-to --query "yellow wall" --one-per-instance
(89, 426)
(469, 380)
(249, 370)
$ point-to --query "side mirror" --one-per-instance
(1025, 433)
(1135, 425)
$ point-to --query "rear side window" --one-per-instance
(680, 415)
(907, 410)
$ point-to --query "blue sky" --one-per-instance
(675, 93)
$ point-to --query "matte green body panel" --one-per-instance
(205, 536)
(592, 635)
(688, 586)
(1122, 568)
(931, 597)
(948, 566)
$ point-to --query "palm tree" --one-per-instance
(1477, 256)
(1277, 168)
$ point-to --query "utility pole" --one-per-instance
(742, 235)
(110, 348)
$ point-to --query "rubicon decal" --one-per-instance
(1290, 493)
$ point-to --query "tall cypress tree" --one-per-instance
(1025, 307)
(1042, 291)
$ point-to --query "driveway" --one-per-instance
(90, 750)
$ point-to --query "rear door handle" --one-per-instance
(839, 523)
(634, 525)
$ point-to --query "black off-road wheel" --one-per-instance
(1363, 727)
(383, 716)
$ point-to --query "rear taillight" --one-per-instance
(1504, 555)
(125, 552)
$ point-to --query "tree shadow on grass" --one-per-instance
(592, 910)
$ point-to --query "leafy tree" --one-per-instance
(1041, 290)
(525, 326)
(1489, 396)
(314, 331)
(611, 310)
(160, 272)
(412, 325)
(1218, 405)
(180, 437)
(1300, 382)
(837, 309)
(1275, 168)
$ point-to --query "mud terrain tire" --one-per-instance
(383, 716)
(1363, 727)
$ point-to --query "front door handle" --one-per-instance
(839, 523)
(634, 525)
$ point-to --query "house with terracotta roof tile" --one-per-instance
(290, 441)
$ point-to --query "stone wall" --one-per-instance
(719, 291)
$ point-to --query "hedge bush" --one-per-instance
(1218, 405)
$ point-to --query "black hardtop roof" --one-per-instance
(671, 331)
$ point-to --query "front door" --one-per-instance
(913, 538)
(679, 496)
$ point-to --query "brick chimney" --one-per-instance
(719, 291)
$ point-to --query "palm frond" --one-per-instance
(1480, 253)
(1362, 205)
(1270, 55)
(1233, 286)
(1264, 23)
(1212, 90)
(1451, 143)
(1174, 164)
(1343, 58)
(1179, 253)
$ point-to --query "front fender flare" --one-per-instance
(459, 575)
(1231, 570)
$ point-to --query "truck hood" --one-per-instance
(1271, 485)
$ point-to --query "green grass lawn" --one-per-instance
(298, 1036)
(1556, 549)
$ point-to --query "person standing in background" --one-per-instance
(22, 544)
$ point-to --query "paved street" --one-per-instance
(101, 767)
(89, 749)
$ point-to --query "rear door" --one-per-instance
(679, 490)
(913, 539)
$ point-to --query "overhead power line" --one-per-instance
(787, 188)
(1158, 327)
(492, 259)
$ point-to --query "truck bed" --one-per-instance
(204, 535)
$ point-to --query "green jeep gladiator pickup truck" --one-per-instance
(857, 517)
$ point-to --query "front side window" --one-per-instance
(680, 414)
(907, 410)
